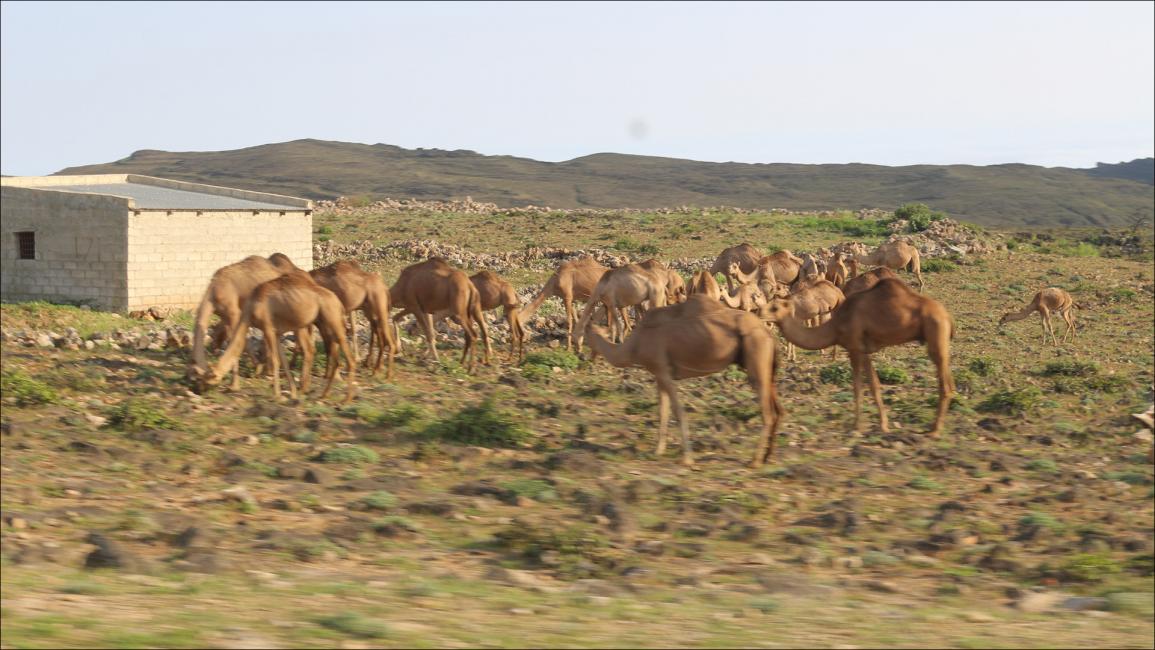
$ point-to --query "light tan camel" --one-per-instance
(226, 296)
(746, 297)
(1048, 301)
(859, 283)
(693, 339)
(573, 280)
(432, 286)
(360, 290)
(625, 286)
(837, 272)
(811, 303)
(675, 285)
(889, 314)
(813, 268)
(291, 303)
(703, 282)
(495, 292)
(744, 255)
(780, 268)
(895, 255)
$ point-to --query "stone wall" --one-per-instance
(173, 254)
(80, 247)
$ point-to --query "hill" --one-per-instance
(1140, 169)
(1011, 194)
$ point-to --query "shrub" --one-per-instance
(983, 366)
(1012, 402)
(918, 215)
(1107, 384)
(577, 550)
(480, 424)
(938, 266)
(324, 230)
(1070, 368)
(135, 415)
(379, 500)
(1089, 567)
(25, 390)
(892, 375)
(850, 227)
(532, 488)
(356, 625)
(1042, 465)
(1041, 519)
(838, 374)
(393, 417)
(553, 359)
(349, 454)
(648, 249)
(924, 483)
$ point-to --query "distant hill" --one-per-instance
(1140, 169)
(993, 195)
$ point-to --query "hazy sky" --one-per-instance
(1059, 83)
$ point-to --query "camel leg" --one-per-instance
(663, 420)
(938, 349)
(337, 348)
(484, 327)
(876, 390)
(272, 353)
(1069, 319)
(426, 321)
(767, 400)
(514, 339)
(570, 321)
(353, 334)
(856, 371)
(687, 453)
(308, 351)
(280, 357)
(470, 341)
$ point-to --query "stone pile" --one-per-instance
(947, 238)
(119, 339)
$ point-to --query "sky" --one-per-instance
(1055, 84)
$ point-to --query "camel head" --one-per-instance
(733, 269)
(1004, 319)
(776, 309)
(676, 289)
(202, 379)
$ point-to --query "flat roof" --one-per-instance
(150, 197)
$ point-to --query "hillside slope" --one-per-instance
(994, 195)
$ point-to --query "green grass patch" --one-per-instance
(983, 366)
(838, 374)
(134, 415)
(938, 265)
(356, 625)
(24, 390)
(482, 425)
(1070, 368)
(892, 375)
(1012, 402)
(1042, 465)
(349, 455)
(1090, 567)
(379, 500)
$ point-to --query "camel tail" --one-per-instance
(200, 328)
(546, 291)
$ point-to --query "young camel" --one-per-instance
(703, 282)
(675, 285)
(859, 283)
(358, 289)
(746, 298)
(432, 286)
(896, 255)
(1051, 299)
(744, 255)
(226, 296)
(780, 268)
(573, 280)
(693, 339)
(495, 292)
(812, 303)
(625, 286)
(836, 271)
(889, 314)
(291, 303)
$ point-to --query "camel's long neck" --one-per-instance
(1019, 315)
(237, 339)
(200, 328)
(617, 355)
(734, 302)
(533, 305)
(745, 278)
(809, 338)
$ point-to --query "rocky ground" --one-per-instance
(524, 505)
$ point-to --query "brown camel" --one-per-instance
(813, 268)
(675, 285)
(432, 286)
(495, 292)
(889, 314)
(859, 283)
(837, 272)
(693, 339)
(226, 296)
(573, 280)
(895, 255)
(703, 282)
(744, 255)
(746, 298)
(1051, 299)
(625, 286)
(811, 303)
(291, 303)
(780, 268)
(360, 290)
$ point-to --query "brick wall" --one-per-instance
(172, 255)
(80, 247)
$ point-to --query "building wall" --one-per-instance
(172, 255)
(81, 251)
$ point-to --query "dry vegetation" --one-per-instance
(523, 505)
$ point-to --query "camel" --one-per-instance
(812, 303)
(675, 285)
(859, 283)
(744, 255)
(1051, 299)
(746, 298)
(813, 268)
(780, 268)
(703, 282)
(625, 286)
(693, 339)
(432, 286)
(226, 296)
(836, 271)
(360, 290)
(896, 255)
(292, 302)
(889, 314)
(574, 279)
(495, 292)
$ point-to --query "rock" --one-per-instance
(515, 578)
(200, 560)
(95, 420)
(574, 460)
(978, 617)
(319, 476)
(1081, 604)
(240, 494)
(109, 554)
(292, 472)
(435, 508)
(651, 547)
(1038, 602)
(43, 340)
(882, 586)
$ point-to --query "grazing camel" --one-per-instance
(837, 272)
(291, 303)
(1051, 299)
(703, 282)
(693, 339)
(746, 298)
(896, 255)
(495, 292)
(432, 286)
(859, 283)
(780, 268)
(889, 314)
(358, 289)
(573, 280)
(744, 255)
(813, 268)
(811, 303)
(625, 286)
(675, 285)
(226, 296)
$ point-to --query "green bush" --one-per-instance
(1042, 519)
(838, 374)
(578, 550)
(983, 366)
(480, 424)
(1070, 368)
(1042, 465)
(918, 215)
(1089, 567)
(532, 488)
(924, 483)
(393, 417)
(135, 415)
(892, 375)
(1012, 402)
(849, 227)
(25, 390)
(349, 454)
(648, 249)
(355, 624)
(1107, 384)
(935, 265)
(553, 358)
(379, 500)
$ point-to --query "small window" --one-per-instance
(26, 243)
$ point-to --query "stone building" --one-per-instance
(124, 242)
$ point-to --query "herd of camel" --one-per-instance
(677, 330)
